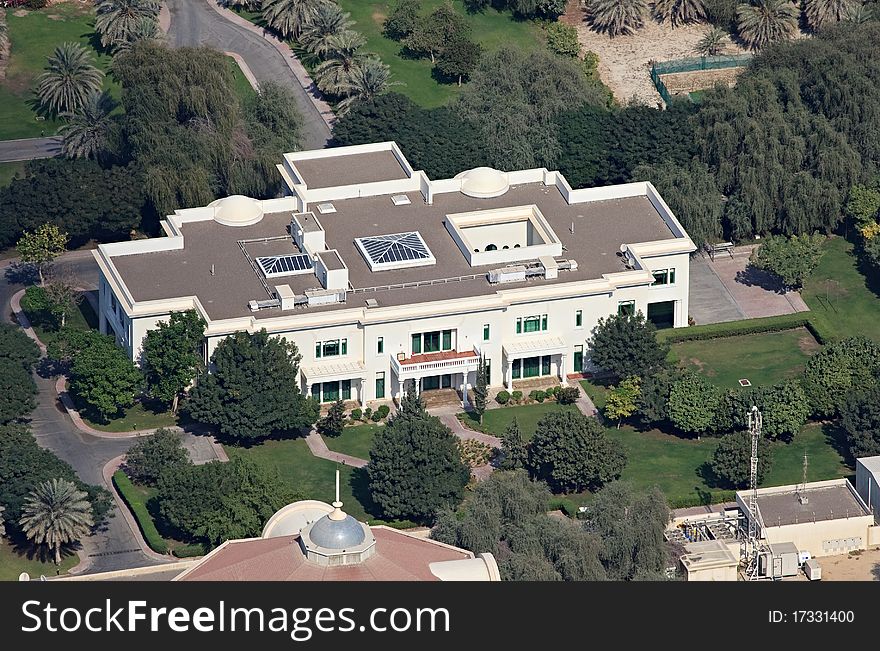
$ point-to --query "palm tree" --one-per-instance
(146, 30)
(712, 43)
(289, 17)
(56, 513)
(329, 20)
(369, 78)
(89, 132)
(117, 20)
(822, 12)
(859, 14)
(616, 17)
(343, 56)
(679, 12)
(69, 80)
(766, 21)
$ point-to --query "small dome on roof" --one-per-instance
(337, 534)
(483, 182)
(237, 210)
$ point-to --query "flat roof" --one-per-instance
(871, 464)
(600, 228)
(349, 169)
(706, 555)
(828, 502)
(331, 259)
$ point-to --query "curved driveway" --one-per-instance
(194, 23)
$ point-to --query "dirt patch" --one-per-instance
(379, 18)
(55, 17)
(20, 13)
(852, 567)
(808, 344)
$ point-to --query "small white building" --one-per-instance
(709, 560)
(381, 275)
(868, 483)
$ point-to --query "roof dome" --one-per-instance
(483, 182)
(337, 534)
(237, 210)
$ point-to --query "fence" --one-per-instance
(660, 68)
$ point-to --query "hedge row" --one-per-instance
(715, 497)
(746, 327)
(141, 513)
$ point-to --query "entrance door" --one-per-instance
(446, 381)
(330, 391)
(662, 314)
(430, 383)
(531, 367)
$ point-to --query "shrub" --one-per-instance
(538, 395)
(503, 397)
(517, 396)
(562, 39)
(376, 417)
(152, 455)
(474, 453)
(383, 411)
(140, 512)
(747, 327)
(567, 395)
(356, 414)
(551, 391)
(368, 412)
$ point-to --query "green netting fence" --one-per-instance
(660, 68)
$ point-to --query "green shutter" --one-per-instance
(544, 322)
(318, 349)
(344, 347)
(416, 344)
(447, 340)
(486, 332)
(380, 345)
(518, 326)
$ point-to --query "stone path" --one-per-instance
(318, 448)
(584, 403)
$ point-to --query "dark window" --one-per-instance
(578, 319)
(431, 342)
(578, 359)
(380, 346)
(380, 385)
(346, 389)
(416, 344)
(486, 332)
(545, 365)
(662, 314)
(515, 371)
(626, 308)
(447, 340)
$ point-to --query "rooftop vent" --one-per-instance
(326, 208)
(400, 200)
(372, 302)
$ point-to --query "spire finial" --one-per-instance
(338, 513)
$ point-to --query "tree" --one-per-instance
(61, 288)
(290, 17)
(42, 246)
(56, 513)
(765, 21)
(253, 391)
(105, 379)
(70, 79)
(622, 400)
(173, 356)
(366, 81)
(617, 17)
(415, 468)
(343, 57)
(863, 205)
(458, 59)
(679, 12)
(571, 452)
(693, 403)
(626, 345)
(217, 501)
(2, 522)
(631, 525)
(821, 13)
(860, 419)
(17, 390)
(712, 43)
(328, 20)
(145, 30)
(691, 193)
(120, 21)
(731, 459)
(402, 19)
(152, 455)
(16, 346)
(784, 407)
(515, 448)
(481, 389)
(432, 33)
(333, 423)
(839, 369)
(792, 259)
(563, 40)
(4, 38)
(90, 132)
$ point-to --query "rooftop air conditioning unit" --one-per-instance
(510, 274)
(400, 200)
(326, 208)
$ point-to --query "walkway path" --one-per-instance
(318, 448)
(29, 149)
(584, 403)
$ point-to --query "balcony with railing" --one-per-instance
(441, 363)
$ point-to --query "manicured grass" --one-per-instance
(495, 421)
(14, 561)
(240, 83)
(34, 37)
(142, 415)
(765, 358)
(843, 300)
(82, 318)
(355, 440)
(822, 443)
(9, 171)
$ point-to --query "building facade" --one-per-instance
(382, 276)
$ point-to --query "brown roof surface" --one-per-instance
(350, 169)
(824, 503)
(398, 557)
(600, 228)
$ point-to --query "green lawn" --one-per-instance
(495, 421)
(14, 561)
(843, 300)
(240, 83)
(82, 318)
(491, 29)
(355, 440)
(142, 415)
(765, 358)
(9, 171)
(147, 495)
(34, 36)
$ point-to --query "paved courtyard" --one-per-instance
(727, 289)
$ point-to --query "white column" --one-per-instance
(508, 374)
(464, 390)
(562, 380)
(362, 392)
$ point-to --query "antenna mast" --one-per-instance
(802, 489)
(752, 546)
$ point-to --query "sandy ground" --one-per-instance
(624, 61)
(861, 567)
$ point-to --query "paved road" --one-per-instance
(114, 547)
(29, 149)
(194, 23)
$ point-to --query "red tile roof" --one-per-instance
(437, 357)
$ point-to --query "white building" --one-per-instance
(868, 483)
(381, 275)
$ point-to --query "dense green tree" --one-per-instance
(173, 355)
(712, 43)
(693, 403)
(784, 407)
(217, 501)
(41, 246)
(722, 13)
(791, 259)
(537, 8)
(562, 39)
(458, 59)
(289, 17)
(92, 131)
(692, 195)
(863, 205)
(70, 343)
(434, 32)
(56, 513)
(274, 126)
(402, 19)
(860, 418)
(120, 21)
(253, 390)
(17, 390)
(572, 452)
(763, 22)
(679, 12)
(622, 400)
(333, 422)
(631, 525)
(514, 447)
(617, 17)
(731, 460)
(329, 20)
(839, 369)
(652, 404)
(105, 380)
(152, 455)
(70, 79)
(481, 389)
(626, 345)
(415, 468)
(16, 346)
